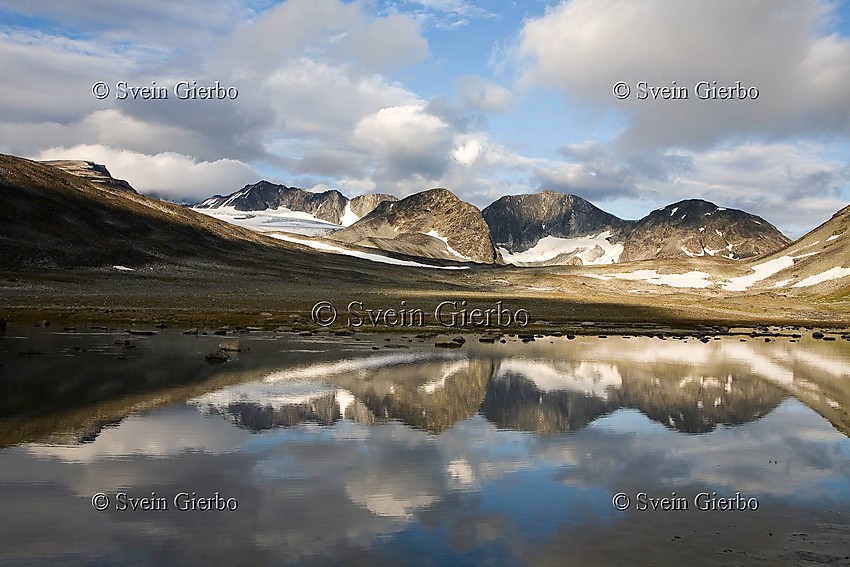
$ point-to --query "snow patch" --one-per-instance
(324, 247)
(592, 250)
(673, 212)
(833, 237)
(831, 274)
(348, 216)
(763, 271)
(692, 279)
(123, 269)
(269, 220)
(760, 272)
(452, 251)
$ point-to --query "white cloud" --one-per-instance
(327, 30)
(167, 175)
(406, 140)
(484, 95)
(160, 25)
(584, 47)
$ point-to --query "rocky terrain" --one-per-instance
(93, 172)
(362, 205)
(700, 228)
(518, 222)
(430, 224)
(539, 229)
(549, 229)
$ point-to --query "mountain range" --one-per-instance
(71, 215)
(330, 206)
(540, 229)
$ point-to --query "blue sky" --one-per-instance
(485, 98)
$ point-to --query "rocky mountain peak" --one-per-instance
(519, 222)
(695, 227)
(433, 224)
(331, 206)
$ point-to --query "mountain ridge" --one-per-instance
(330, 206)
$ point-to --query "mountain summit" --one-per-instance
(431, 224)
(518, 222)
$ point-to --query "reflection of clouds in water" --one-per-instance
(777, 361)
(156, 435)
(312, 491)
(787, 454)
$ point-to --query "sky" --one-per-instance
(486, 98)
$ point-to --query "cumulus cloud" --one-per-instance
(167, 175)
(782, 47)
(484, 95)
(318, 100)
(405, 140)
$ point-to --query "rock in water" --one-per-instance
(217, 356)
(232, 345)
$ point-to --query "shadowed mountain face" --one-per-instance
(518, 222)
(700, 228)
(431, 224)
(52, 219)
(362, 205)
(331, 206)
(93, 172)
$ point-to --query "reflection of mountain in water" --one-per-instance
(323, 411)
(542, 388)
(699, 405)
(541, 396)
(687, 405)
(431, 395)
(515, 402)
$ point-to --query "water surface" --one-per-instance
(386, 450)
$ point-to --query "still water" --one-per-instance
(386, 450)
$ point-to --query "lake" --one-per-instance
(382, 449)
